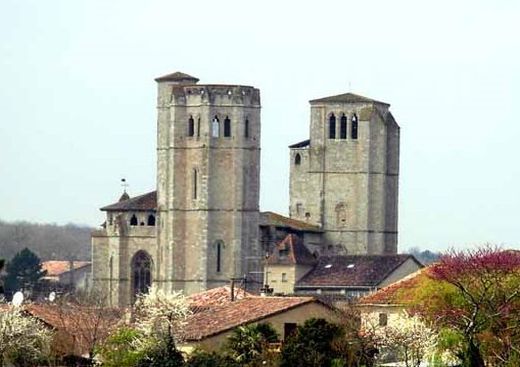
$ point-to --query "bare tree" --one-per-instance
(83, 322)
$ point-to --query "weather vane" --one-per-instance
(124, 184)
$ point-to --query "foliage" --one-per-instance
(477, 294)
(248, 342)
(311, 345)
(2, 263)
(408, 339)
(355, 347)
(23, 271)
(123, 348)
(200, 358)
(48, 241)
(22, 339)
(162, 354)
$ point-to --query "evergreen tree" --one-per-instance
(2, 263)
(24, 271)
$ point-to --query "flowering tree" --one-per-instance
(22, 337)
(162, 314)
(476, 293)
(408, 339)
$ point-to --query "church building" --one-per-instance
(203, 226)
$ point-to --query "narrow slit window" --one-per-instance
(227, 127)
(215, 127)
(219, 256)
(343, 127)
(297, 159)
(191, 126)
(332, 127)
(198, 127)
(246, 129)
(195, 183)
(354, 132)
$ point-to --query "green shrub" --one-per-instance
(311, 345)
(246, 343)
(201, 358)
(121, 349)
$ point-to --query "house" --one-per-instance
(292, 269)
(70, 274)
(275, 227)
(214, 317)
(388, 305)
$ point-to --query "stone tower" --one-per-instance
(208, 171)
(345, 177)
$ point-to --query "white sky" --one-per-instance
(77, 99)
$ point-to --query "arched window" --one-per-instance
(297, 159)
(151, 220)
(227, 127)
(354, 130)
(133, 220)
(215, 127)
(194, 183)
(246, 129)
(198, 127)
(343, 127)
(141, 273)
(219, 248)
(191, 126)
(332, 127)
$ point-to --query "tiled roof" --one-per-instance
(277, 220)
(400, 292)
(216, 297)
(143, 202)
(177, 77)
(296, 252)
(222, 318)
(346, 98)
(58, 267)
(301, 144)
(352, 271)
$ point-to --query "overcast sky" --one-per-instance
(77, 99)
